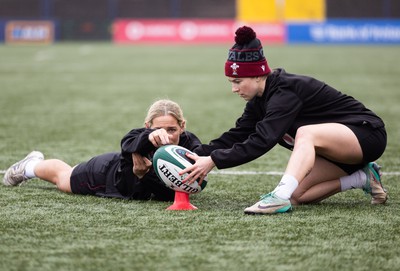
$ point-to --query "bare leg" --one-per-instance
(333, 141)
(322, 182)
(56, 172)
(308, 176)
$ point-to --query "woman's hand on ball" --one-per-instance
(159, 137)
(199, 170)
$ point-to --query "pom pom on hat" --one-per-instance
(244, 35)
(246, 57)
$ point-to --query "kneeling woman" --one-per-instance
(335, 139)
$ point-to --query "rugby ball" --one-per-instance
(168, 161)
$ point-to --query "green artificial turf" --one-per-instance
(74, 101)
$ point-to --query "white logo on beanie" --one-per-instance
(234, 67)
(263, 68)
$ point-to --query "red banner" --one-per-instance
(127, 31)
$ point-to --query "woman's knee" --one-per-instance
(304, 136)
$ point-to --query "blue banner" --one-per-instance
(346, 32)
(2, 28)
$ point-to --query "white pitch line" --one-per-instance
(275, 173)
(272, 173)
(233, 172)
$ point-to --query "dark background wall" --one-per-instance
(100, 9)
(91, 19)
(376, 9)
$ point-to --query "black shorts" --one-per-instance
(373, 143)
(92, 177)
(99, 177)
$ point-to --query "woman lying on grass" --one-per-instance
(127, 174)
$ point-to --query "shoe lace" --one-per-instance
(262, 197)
(267, 198)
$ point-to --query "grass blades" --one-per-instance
(73, 101)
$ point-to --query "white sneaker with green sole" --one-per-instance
(269, 204)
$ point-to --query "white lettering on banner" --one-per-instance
(30, 32)
(137, 30)
(355, 33)
(134, 30)
(188, 30)
(196, 30)
(388, 32)
(160, 30)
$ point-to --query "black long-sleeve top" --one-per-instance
(137, 141)
(127, 183)
(289, 101)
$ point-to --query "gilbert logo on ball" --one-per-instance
(168, 161)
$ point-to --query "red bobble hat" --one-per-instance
(246, 57)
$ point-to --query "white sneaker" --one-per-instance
(15, 175)
(269, 204)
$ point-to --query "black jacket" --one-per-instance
(128, 184)
(288, 102)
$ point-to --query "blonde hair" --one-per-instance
(164, 108)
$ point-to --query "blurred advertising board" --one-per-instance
(29, 32)
(346, 32)
(127, 31)
(2, 27)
